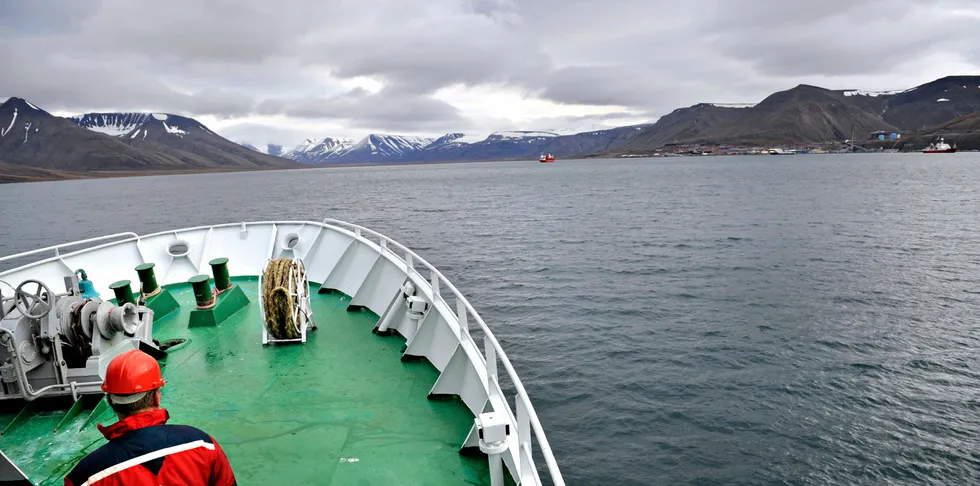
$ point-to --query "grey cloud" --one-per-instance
(425, 55)
(44, 17)
(385, 110)
(230, 59)
(260, 134)
(847, 38)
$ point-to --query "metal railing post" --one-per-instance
(526, 418)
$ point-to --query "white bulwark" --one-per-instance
(411, 297)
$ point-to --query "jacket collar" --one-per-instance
(134, 422)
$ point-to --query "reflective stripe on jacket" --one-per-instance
(144, 451)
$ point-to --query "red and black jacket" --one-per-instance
(144, 451)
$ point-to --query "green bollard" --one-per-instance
(202, 290)
(148, 280)
(219, 267)
(123, 293)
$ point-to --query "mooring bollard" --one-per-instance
(219, 267)
(148, 280)
(123, 293)
(202, 291)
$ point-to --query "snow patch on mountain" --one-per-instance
(735, 105)
(874, 94)
(174, 130)
(454, 139)
(387, 145)
(32, 105)
(112, 124)
(314, 150)
(160, 116)
(521, 135)
(3, 133)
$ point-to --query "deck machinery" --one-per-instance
(59, 344)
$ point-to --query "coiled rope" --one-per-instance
(280, 276)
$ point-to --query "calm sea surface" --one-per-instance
(709, 320)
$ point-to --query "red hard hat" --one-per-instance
(132, 372)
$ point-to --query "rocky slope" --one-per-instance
(32, 139)
(809, 114)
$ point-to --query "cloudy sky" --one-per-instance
(285, 70)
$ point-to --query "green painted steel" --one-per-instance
(74, 411)
(341, 409)
(228, 303)
(123, 292)
(25, 412)
(202, 290)
(219, 268)
(148, 280)
(162, 304)
(100, 409)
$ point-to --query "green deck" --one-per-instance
(342, 409)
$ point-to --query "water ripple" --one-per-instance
(727, 321)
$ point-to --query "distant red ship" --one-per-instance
(546, 158)
(940, 148)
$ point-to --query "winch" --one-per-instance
(60, 344)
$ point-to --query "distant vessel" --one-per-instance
(939, 148)
(546, 158)
(779, 151)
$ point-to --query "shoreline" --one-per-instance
(32, 174)
(43, 175)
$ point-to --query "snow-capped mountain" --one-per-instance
(318, 151)
(455, 146)
(113, 124)
(372, 148)
(20, 122)
(140, 126)
(184, 140)
(454, 140)
(385, 146)
(521, 136)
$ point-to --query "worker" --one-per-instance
(141, 449)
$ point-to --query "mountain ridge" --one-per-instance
(811, 114)
(117, 142)
(33, 140)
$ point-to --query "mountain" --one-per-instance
(963, 131)
(182, 138)
(372, 148)
(810, 114)
(32, 137)
(318, 151)
(456, 146)
(497, 146)
(802, 114)
(114, 124)
(274, 149)
(683, 124)
(381, 148)
(934, 103)
(271, 149)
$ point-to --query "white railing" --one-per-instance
(494, 353)
(57, 248)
